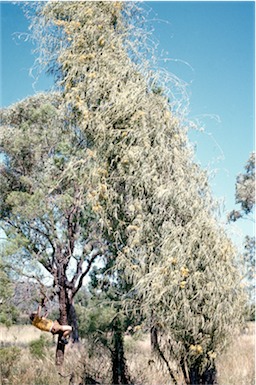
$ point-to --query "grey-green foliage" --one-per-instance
(42, 181)
(152, 202)
(245, 186)
(245, 190)
(245, 197)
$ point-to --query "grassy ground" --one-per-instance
(19, 335)
(235, 367)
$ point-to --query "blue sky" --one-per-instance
(216, 39)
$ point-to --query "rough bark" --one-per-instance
(60, 351)
(72, 320)
(63, 320)
(119, 370)
(208, 377)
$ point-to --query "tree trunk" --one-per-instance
(67, 317)
(208, 377)
(60, 349)
(119, 370)
(194, 376)
(72, 321)
(156, 349)
(153, 338)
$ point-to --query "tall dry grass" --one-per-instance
(18, 335)
(235, 367)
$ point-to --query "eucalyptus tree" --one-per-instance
(245, 197)
(153, 202)
(49, 229)
(245, 190)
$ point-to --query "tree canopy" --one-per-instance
(107, 158)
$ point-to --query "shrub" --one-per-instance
(38, 347)
(9, 356)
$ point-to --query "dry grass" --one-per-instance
(235, 367)
(18, 335)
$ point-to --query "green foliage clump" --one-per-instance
(95, 321)
(38, 348)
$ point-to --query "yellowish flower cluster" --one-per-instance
(96, 208)
(92, 75)
(101, 41)
(118, 5)
(102, 171)
(183, 284)
(88, 12)
(197, 349)
(212, 355)
(90, 153)
(75, 24)
(184, 271)
(103, 192)
(84, 57)
(59, 23)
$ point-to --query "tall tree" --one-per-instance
(83, 45)
(152, 202)
(49, 227)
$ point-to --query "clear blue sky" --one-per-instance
(216, 39)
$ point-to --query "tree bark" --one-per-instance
(208, 377)
(63, 320)
(60, 352)
(194, 376)
(156, 349)
(72, 321)
(119, 370)
(153, 338)
(67, 317)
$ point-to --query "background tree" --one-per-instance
(245, 190)
(47, 224)
(245, 197)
